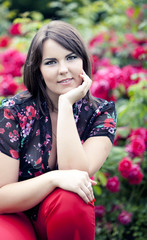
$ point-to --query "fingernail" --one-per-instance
(89, 203)
(93, 200)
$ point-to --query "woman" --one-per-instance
(54, 138)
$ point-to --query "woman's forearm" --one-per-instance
(20, 196)
(70, 152)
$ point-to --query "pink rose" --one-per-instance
(113, 184)
(4, 41)
(15, 29)
(136, 147)
(8, 86)
(139, 132)
(130, 12)
(100, 211)
(125, 217)
(135, 175)
(139, 53)
(100, 89)
(125, 166)
(96, 40)
(12, 61)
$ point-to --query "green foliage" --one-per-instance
(4, 12)
(92, 17)
(133, 112)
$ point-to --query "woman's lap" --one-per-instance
(62, 215)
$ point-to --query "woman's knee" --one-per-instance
(63, 213)
(16, 227)
(68, 204)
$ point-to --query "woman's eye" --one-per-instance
(50, 62)
(72, 57)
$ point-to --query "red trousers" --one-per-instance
(62, 215)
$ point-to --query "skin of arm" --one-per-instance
(72, 154)
(20, 196)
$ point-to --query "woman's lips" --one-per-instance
(65, 81)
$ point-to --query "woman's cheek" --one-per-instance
(79, 68)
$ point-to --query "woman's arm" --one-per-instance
(71, 153)
(20, 196)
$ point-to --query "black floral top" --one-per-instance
(26, 133)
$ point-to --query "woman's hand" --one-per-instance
(77, 93)
(76, 181)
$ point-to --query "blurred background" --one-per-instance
(116, 35)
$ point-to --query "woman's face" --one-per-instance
(60, 69)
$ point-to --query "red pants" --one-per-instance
(62, 215)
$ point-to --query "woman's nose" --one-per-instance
(63, 68)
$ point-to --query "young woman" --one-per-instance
(54, 137)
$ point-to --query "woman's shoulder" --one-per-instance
(18, 101)
(99, 104)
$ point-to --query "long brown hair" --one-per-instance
(64, 34)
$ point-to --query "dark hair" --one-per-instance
(64, 34)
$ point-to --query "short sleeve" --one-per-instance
(9, 132)
(103, 122)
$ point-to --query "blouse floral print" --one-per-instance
(26, 133)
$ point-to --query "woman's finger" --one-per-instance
(88, 191)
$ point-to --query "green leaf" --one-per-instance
(102, 178)
(97, 190)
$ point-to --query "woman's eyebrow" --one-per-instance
(53, 59)
(49, 59)
(68, 55)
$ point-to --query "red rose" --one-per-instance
(113, 184)
(127, 72)
(125, 217)
(14, 154)
(124, 166)
(4, 41)
(136, 147)
(96, 40)
(8, 86)
(100, 89)
(100, 211)
(139, 132)
(12, 61)
(15, 29)
(139, 53)
(135, 175)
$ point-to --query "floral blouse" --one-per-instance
(26, 133)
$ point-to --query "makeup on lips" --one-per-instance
(65, 81)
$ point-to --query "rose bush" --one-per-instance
(121, 189)
(120, 74)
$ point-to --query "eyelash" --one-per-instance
(50, 62)
(70, 58)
